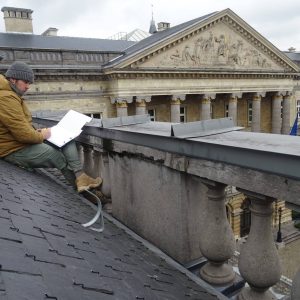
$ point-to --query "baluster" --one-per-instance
(217, 242)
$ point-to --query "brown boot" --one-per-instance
(85, 182)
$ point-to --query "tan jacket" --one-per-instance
(16, 131)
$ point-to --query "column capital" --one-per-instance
(287, 94)
(142, 98)
(178, 97)
(140, 103)
(236, 95)
(259, 94)
(278, 95)
(120, 99)
(210, 96)
(233, 99)
(206, 101)
(121, 104)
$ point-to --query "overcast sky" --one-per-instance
(276, 20)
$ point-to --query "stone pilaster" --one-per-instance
(217, 242)
(276, 113)
(232, 108)
(175, 107)
(259, 262)
(286, 114)
(256, 111)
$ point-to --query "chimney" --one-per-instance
(51, 31)
(162, 26)
(17, 19)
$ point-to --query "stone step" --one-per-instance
(291, 237)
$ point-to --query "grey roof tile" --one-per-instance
(46, 253)
(32, 41)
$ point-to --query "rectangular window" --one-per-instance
(95, 115)
(182, 114)
(151, 113)
(249, 112)
(226, 110)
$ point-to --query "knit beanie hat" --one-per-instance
(21, 71)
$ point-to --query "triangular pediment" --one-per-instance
(216, 47)
(223, 41)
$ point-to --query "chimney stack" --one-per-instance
(162, 26)
(17, 19)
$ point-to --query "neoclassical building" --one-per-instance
(214, 66)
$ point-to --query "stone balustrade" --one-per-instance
(178, 203)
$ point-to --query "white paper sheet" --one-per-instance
(68, 128)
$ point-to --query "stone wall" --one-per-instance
(162, 205)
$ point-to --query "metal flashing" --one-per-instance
(203, 128)
(126, 120)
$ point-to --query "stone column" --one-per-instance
(256, 109)
(232, 108)
(259, 262)
(205, 108)
(217, 242)
(295, 295)
(286, 128)
(140, 104)
(276, 113)
(175, 107)
(121, 105)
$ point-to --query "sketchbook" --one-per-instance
(68, 128)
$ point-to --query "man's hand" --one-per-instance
(46, 132)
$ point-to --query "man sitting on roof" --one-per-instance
(22, 144)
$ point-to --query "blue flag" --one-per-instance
(295, 127)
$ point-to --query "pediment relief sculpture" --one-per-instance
(219, 47)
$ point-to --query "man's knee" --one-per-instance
(54, 157)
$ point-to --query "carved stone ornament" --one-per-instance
(217, 47)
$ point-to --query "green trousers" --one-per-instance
(43, 155)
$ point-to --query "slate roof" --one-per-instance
(157, 37)
(45, 253)
(32, 41)
(294, 56)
